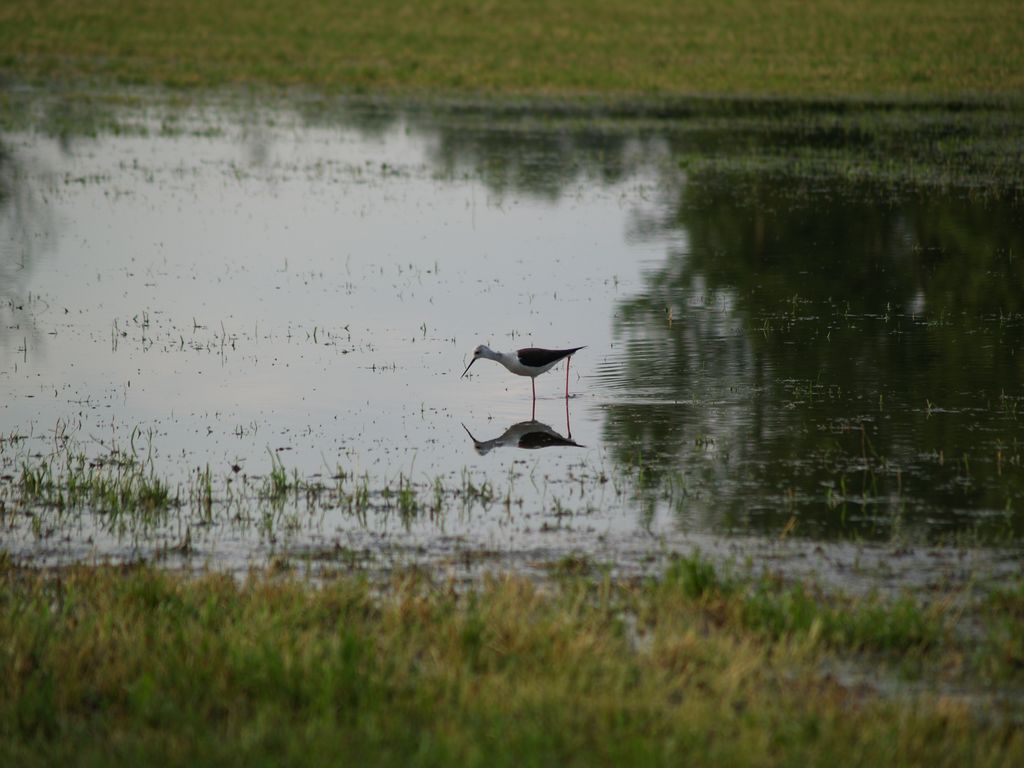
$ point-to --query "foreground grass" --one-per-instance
(139, 666)
(942, 48)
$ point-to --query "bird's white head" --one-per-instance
(482, 351)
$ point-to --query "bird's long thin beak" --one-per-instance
(469, 366)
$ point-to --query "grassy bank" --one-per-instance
(139, 666)
(946, 48)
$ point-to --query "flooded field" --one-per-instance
(233, 334)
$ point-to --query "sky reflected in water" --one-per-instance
(767, 354)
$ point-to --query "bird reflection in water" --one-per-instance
(530, 435)
(525, 434)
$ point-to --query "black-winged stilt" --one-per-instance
(530, 361)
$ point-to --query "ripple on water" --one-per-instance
(283, 293)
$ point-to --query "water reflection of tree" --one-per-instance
(792, 301)
(545, 163)
(542, 148)
(792, 315)
(854, 291)
(763, 232)
(24, 235)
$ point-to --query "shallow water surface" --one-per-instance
(784, 360)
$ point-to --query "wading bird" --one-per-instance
(530, 361)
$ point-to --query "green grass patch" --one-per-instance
(117, 487)
(135, 665)
(772, 608)
(1001, 654)
(895, 48)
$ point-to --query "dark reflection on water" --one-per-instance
(541, 148)
(26, 233)
(831, 340)
(829, 358)
(529, 435)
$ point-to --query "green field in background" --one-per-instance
(827, 49)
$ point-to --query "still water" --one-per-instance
(778, 361)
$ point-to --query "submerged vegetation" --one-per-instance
(74, 504)
(116, 488)
(122, 665)
(879, 150)
(118, 493)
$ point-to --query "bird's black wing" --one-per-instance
(536, 357)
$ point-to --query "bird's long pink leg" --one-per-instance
(567, 375)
